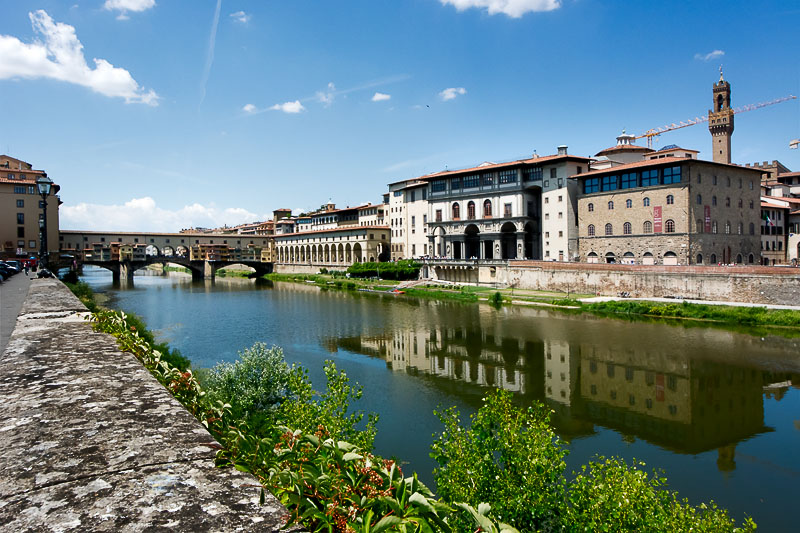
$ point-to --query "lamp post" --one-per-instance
(44, 183)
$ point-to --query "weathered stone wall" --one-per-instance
(754, 284)
(92, 442)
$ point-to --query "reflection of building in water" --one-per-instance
(684, 404)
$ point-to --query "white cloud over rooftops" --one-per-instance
(512, 8)
(59, 56)
(142, 214)
(452, 92)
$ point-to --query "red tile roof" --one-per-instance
(623, 148)
(481, 168)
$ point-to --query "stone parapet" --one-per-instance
(92, 442)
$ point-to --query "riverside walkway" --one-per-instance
(92, 442)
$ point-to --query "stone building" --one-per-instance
(514, 210)
(408, 217)
(21, 210)
(670, 211)
(720, 121)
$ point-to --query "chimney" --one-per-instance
(562, 149)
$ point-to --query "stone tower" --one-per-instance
(720, 121)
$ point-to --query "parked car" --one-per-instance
(12, 269)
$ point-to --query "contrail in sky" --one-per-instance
(210, 56)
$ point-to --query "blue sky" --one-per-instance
(158, 115)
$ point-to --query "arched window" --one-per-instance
(611, 205)
(713, 258)
(727, 201)
(471, 210)
(646, 202)
(727, 227)
(714, 226)
(751, 204)
(626, 228)
(590, 207)
(699, 199)
(739, 259)
(628, 203)
(669, 226)
(713, 200)
(590, 230)
(670, 199)
(456, 211)
(648, 227)
(699, 259)
(699, 225)
(609, 229)
(487, 208)
(740, 202)
(740, 229)
(752, 229)
(750, 259)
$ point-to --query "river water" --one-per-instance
(717, 409)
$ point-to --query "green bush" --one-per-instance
(400, 270)
(508, 457)
(496, 299)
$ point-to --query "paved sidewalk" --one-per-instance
(12, 293)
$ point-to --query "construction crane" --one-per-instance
(650, 134)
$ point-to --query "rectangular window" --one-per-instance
(19, 189)
(591, 185)
(508, 176)
(424, 194)
(630, 180)
(608, 183)
(413, 221)
(553, 173)
(20, 203)
(424, 219)
(671, 175)
(506, 210)
(649, 178)
(413, 196)
(455, 184)
(21, 232)
(532, 174)
(438, 215)
(31, 189)
(398, 194)
(487, 180)
(32, 244)
(471, 182)
(438, 186)
(20, 218)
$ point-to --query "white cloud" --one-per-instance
(289, 107)
(709, 56)
(123, 6)
(60, 57)
(241, 16)
(381, 97)
(512, 8)
(326, 97)
(249, 108)
(142, 214)
(451, 92)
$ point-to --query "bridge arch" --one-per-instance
(168, 251)
(152, 249)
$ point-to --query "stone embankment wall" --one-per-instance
(755, 284)
(92, 442)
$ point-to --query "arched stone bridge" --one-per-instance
(201, 269)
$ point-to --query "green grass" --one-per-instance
(225, 273)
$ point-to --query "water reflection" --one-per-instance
(687, 402)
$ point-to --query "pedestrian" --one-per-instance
(27, 269)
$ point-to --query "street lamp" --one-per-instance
(44, 184)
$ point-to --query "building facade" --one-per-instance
(21, 210)
(408, 217)
(670, 211)
(524, 209)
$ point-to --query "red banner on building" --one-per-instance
(707, 218)
(657, 219)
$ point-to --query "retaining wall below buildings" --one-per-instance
(92, 442)
(755, 284)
